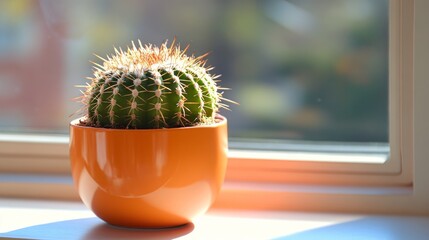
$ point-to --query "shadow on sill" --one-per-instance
(94, 228)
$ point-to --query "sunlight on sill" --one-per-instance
(57, 219)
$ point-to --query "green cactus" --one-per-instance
(150, 87)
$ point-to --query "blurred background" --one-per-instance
(302, 70)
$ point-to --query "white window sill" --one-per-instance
(71, 220)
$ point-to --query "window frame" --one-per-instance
(266, 183)
(397, 170)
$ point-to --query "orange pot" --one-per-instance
(150, 177)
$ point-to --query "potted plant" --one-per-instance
(151, 148)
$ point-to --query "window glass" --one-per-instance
(301, 69)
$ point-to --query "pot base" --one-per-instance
(143, 228)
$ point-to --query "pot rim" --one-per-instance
(220, 120)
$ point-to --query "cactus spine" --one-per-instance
(151, 87)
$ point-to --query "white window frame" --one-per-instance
(394, 168)
(396, 186)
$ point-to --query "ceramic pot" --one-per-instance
(148, 178)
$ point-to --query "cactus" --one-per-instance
(151, 87)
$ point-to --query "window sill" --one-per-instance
(71, 220)
(242, 195)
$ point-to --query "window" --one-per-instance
(380, 42)
(302, 70)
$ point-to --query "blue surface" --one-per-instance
(369, 228)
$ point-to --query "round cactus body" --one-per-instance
(151, 87)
